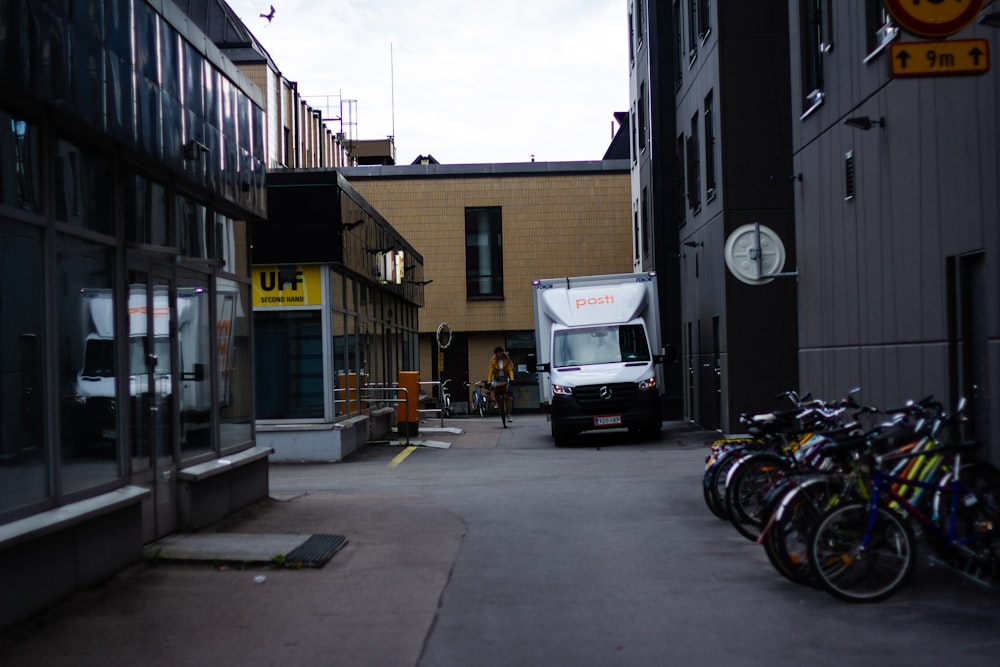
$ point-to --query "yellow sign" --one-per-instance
(440, 361)
(287, 286)
(958, 56)
(934, 18)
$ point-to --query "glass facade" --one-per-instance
(125, 322)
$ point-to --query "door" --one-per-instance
(973, 368)
(151, 319)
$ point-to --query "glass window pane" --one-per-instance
(82, 189)
(87, 364)
(20, 179)
(194, 345)
(23, 470)
(235, 396)
(288, 363)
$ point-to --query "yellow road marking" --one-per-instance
(401, 456)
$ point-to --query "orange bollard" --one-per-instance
(407, 417)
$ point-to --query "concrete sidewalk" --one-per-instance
(373, 603)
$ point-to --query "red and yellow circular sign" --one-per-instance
(934, 18)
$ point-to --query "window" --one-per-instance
(631, 37)
(811, 17)
(694, 166)
(704, 24)
(639, 25)
(642, 116)
(678, 46)
(20, 172)
(709, 148)
(82, 189)
(635, 232)
(647, 231)
(22, 336)
(483, 253)
(288, 362)
(879, 28)
(692, 31)
(679, 180)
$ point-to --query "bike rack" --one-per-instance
(440, 408)
(396, 390)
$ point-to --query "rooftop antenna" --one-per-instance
(392, 91)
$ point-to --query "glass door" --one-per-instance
(151, 390)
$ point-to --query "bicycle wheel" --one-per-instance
(859, 557)
(976, 517)
(481, 406)
(714, 486)
(746, 488)
(502, 407)
(786, 541)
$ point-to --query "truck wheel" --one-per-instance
(560, 436)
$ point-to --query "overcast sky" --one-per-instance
(467, 81)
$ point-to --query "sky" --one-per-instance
(467, 81)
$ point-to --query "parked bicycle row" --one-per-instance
(839, 494)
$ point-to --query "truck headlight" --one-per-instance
(562, 389)
(648, 383)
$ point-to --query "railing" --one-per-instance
(395, 389)
(440, 402)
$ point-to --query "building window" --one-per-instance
(679, 180)
(694, 167)
(692, 31)
(631, 37)
(678, 46)
(642, 116)
(709, 148)
(288, 364)
(879, 28)
(483, 253)
(639, 24)
(635, 233)
(20, 164)
(811, 44)
(704, 23)
(647, 231)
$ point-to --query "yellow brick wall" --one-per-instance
(553, 225)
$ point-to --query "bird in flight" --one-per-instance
(269, 15)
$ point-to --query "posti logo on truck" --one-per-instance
(605, 300)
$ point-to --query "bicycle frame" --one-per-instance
(882, 492)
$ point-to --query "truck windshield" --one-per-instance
(599, 345)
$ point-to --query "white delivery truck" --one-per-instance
(599, 353)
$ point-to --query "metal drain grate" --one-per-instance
(315, 551)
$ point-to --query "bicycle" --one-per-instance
(500, 395)
(445, 399)
(865, 550)
(479, 401)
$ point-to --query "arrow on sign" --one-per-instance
(903, 56)
(975, 53)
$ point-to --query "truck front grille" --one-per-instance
(599, 399)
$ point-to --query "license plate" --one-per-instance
(608, 420)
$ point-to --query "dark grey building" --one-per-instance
(711, 154)
(897, 212)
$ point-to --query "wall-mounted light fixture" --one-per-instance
(693, 244)
(193, 150)
(420, 282)
(351, 225)
(789, 177)
(864, 122)
(378, 251)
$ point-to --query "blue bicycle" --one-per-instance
(480, 401)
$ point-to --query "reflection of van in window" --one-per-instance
(598, 346)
